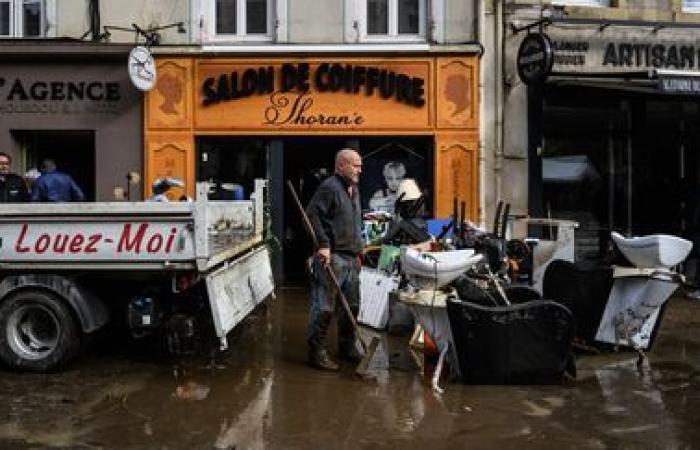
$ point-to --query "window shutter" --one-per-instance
(279, 21)
(51, 28)
(352, 21)
(435, 22)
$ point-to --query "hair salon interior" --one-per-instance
(600, 124)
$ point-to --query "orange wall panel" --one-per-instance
(169, 104)
(456, 173)
(170, 155)
(176, 111)
(457, 93)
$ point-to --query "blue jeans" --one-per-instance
(324, 301)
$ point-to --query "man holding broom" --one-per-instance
(336, 218)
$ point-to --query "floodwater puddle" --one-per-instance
(262, 395)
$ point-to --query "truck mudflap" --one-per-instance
(236, 288)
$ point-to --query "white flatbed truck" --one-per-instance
(184, 268)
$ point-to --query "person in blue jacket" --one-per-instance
(55, 186)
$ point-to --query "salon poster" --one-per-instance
(386, 164)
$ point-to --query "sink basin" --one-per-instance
(432, 270)
(656, 251)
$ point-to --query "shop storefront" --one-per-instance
(613, 130)
(228, 121)
(73, 103)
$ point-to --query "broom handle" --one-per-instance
(307, 222)
(329, 270)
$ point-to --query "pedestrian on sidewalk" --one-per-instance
(335, 215)
(12, 186)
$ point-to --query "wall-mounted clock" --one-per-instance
(142, 68)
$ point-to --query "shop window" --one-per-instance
(231, 165)
(239, 20)
(23, 18)
(395, 20)
(611, 160)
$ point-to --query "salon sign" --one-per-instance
(333, 95)
(104, 242)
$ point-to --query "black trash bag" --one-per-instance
(406, 232)
(494, 251)
(582, 289)
(529, 343)
(521, 294)
(468, 290)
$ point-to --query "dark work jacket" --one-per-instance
(12, 189)
(56, 186)
(336, 218)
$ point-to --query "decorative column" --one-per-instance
(169, 136)
(457, 135)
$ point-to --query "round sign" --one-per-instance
(142, 68)
(535, 58)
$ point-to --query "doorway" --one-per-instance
(73, 151)
(307, 161)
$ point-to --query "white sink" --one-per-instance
(656, 251)
(432, 270)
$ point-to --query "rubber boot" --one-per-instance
(347, 338)
(318, 356)
(319, 359)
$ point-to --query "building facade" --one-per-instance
(275, 89)
(601, 125)
(85, 116)
(257, 88)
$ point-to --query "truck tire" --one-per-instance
(37, 331)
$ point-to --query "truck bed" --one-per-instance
(130, 235)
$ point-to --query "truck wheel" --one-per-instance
(37, 331)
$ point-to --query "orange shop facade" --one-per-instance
(231, 120)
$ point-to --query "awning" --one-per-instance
(652, 81)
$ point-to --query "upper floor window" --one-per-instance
(582, 2)
(392, 19)
(22, 18)
(241, 20)
(691, 6)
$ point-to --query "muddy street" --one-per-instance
(262, 395)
